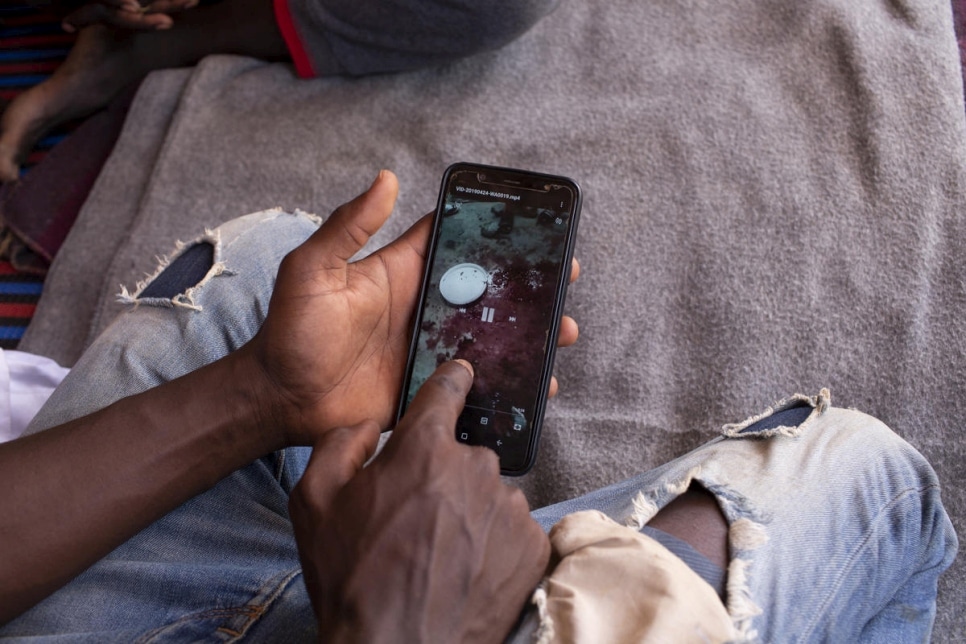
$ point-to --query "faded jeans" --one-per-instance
(837, 531)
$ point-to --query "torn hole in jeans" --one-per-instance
(789, 417)
(177, 278)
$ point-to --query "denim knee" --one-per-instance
(836, 525)
(204, 301)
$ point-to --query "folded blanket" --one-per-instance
(773, 205)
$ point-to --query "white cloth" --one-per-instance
(26, 381)
(614, 584)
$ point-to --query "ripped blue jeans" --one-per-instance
(837, 531)
(836, 528)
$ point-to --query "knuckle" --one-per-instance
(433, 419)
(304, 502)
(518, 500)
(296, 262)
(448, 382)
(487, 462)
(440, 397)
(357, 233)
(425, 435)
(480, 464)
(441, 431)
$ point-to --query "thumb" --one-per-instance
(353, 223)
(336, 458)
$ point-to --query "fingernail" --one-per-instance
(69, 28)
(466, 364)
(378, 177)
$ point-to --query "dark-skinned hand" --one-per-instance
(426, 544)
(334, 346)
(123, 14)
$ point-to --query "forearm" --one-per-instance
(75, 492)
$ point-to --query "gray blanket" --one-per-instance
(773, 199)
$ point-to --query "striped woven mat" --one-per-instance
(32, 45)
(18, 299)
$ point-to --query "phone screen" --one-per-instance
(493, 295)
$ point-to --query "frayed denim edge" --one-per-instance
(820, 403)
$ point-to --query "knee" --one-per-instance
(814, 435)
(893, 482)
(490, 25)
(858, 450)
(186, 271)
(861, 440)
(853, 463)
(400, 35)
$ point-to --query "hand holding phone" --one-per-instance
(496, 276)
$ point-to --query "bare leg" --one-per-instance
(105, 60)
(695, 517)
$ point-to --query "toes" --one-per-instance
(89, 14)
(10, 153)
(18, 134)
(121, 18)
(9, 169)
(126, 14)
(170, 6)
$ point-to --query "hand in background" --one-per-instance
(126, 14)
(425, 544)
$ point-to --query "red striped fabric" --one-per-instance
(33, 67)
(36, 42)
(32, 45)
(286, 24)
(16, 310)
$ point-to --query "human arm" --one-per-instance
(330, 354)
(73, 493)
(426, 543)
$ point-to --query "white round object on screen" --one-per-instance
(463, 283)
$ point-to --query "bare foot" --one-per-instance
(106, 59)
(126, 14)
(95, 71)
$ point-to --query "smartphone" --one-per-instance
(493, 292)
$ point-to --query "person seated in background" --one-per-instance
(119, 42)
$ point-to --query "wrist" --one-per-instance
(379, 604)
(349, 625)
(220, 403)
(269, 413)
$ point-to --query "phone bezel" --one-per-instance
(563, 281)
